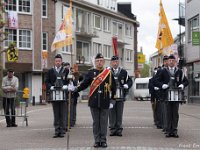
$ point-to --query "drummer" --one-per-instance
(123, 83)
(56, 79)
(171, 77)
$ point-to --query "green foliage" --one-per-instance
(145, 71)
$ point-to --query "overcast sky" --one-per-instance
(147, 12)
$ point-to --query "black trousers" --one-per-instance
(172, 117)
(9, 104)
(59, 111)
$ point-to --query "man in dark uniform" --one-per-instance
(154, 91)
(101, 95)
(73, 100)
(123, 84)
(163, 109)
(57, 78)
(171, 77)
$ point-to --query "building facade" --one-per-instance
(192, 51)
(95, 26)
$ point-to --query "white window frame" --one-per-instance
(17, 7)
(45, 38)
(116, 31)
(193, 25)
(107, 52)
(129, 55)
(86, 60)
(44, 5)
(128, 30)
(106, 24)
(97, 16)
(67, 49)
(97, 48)
(17, 39)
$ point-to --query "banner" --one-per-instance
(64, 35)
(12, 19)
(164, 37)
(115, 48)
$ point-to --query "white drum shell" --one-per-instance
(58, 95)
(175, 95)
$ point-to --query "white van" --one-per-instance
(140, 89)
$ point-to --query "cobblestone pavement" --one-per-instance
(139, 132)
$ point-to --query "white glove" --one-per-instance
(52, 88)
(71, 87)
(125, 86)
(165, 86)
(156, 88)
(64, 87)
(111, 106)
(181, 86)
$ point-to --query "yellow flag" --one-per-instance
(12, 54)
(164, 37)
(64, 35)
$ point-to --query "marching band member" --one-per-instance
(123, 83)
(102, 90)
(171, 77)
(57, 78)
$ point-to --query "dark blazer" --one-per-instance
(51, 77)
(123, 78)
(98, 99)
(164, 78)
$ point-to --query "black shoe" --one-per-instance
(56, 136)
(168, 135)
(112, 134)
(159, 127)
(97, 144)
(61, 135)
(8, 125)
(104, 144)
(175, 135)
(14, 125)
(119, 134)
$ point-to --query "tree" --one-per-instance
(3, 36)
(145, 71)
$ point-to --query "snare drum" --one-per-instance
(119, 93)
(58, 95)
(176, 95)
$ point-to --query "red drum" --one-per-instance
(176, 95)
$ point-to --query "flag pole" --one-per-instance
(70, 93)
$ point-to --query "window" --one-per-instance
(118, 30)
(106, 24)
(21, 37)
(67, 49)
(24, 38)
(97, 48)
(142, 86)
(83, 51)
(11, 5)
(22, 6)
(128, 30)
(129, 55)
(79, 20)
(12, 36)
(107, 53)
(97, 21)
(193, 25)
(44, 8)
(45, 41)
